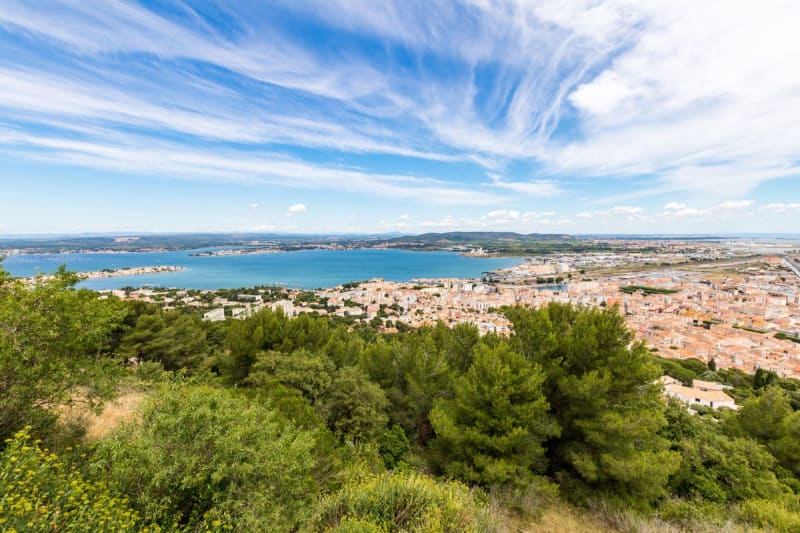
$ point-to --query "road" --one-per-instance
(793, 266)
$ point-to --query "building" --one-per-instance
(286, 306)
(215, 315)
(694, 395)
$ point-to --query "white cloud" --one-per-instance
(734, 205)
(689, 212)
(126, 153)
(720, 210)
(253, 206)
(682, 100)
(297, 208)
(625, 210)
(530, 188)
(780, 207)
(509, 214)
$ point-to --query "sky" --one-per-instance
(357, 116)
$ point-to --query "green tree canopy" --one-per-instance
(173, 339)
(354, 407)
(54, 342)
(770, 420)
(491, 432)
(601, 388)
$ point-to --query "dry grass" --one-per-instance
(115, 413)
(563, 519)
(120, 411)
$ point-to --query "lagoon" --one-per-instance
(305, 269)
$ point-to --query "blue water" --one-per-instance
(304, 269)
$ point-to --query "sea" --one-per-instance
(306, 269)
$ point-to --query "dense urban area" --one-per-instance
(740, 309)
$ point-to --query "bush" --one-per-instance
(691, 514)
(41, 493)
(202, 456)
(393, 446)
(769, 514)
(397, 502)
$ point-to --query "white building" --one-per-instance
(284, 305)
(215, 315)
(708, 396)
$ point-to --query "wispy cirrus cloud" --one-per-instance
(468, 103)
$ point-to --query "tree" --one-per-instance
(354, 407)
(770, 420)
(491, 432)
(54, 342)
(173, 339)
(393, 446)
(301, 370)
(247, 338)
(601, 388)
(712, 365)
(763, 378)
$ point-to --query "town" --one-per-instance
(739, 311)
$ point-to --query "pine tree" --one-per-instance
(600, 386)
(492, 432)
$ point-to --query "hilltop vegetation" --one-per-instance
(277, 424)
(495, 242)
(507, 243)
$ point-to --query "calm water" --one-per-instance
(304, 269)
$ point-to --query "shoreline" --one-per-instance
(116, 272)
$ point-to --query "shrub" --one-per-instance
(203, 455)
(769, 514)
(393, 446)
(395, 502)
(41, 493)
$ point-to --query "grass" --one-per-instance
(784, 336)
(753, 330)
(120, 411)
(647, 290)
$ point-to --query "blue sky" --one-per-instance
(602, 116)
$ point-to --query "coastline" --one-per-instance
(117, 272)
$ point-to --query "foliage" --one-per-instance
(173, 339)
(600, 386)
(770, 514)
(764, 378)
(784, 336)
(393, 446)
(354, 407)
(202, 455)
(311, 374)
(54, 343)
(491, 432)
(42, 493)
(253, 419)
(769, 419)
(397, 502)
(646, 290)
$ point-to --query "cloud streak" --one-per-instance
(469, 103)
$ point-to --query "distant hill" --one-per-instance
(502, 242)
(464, 237)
